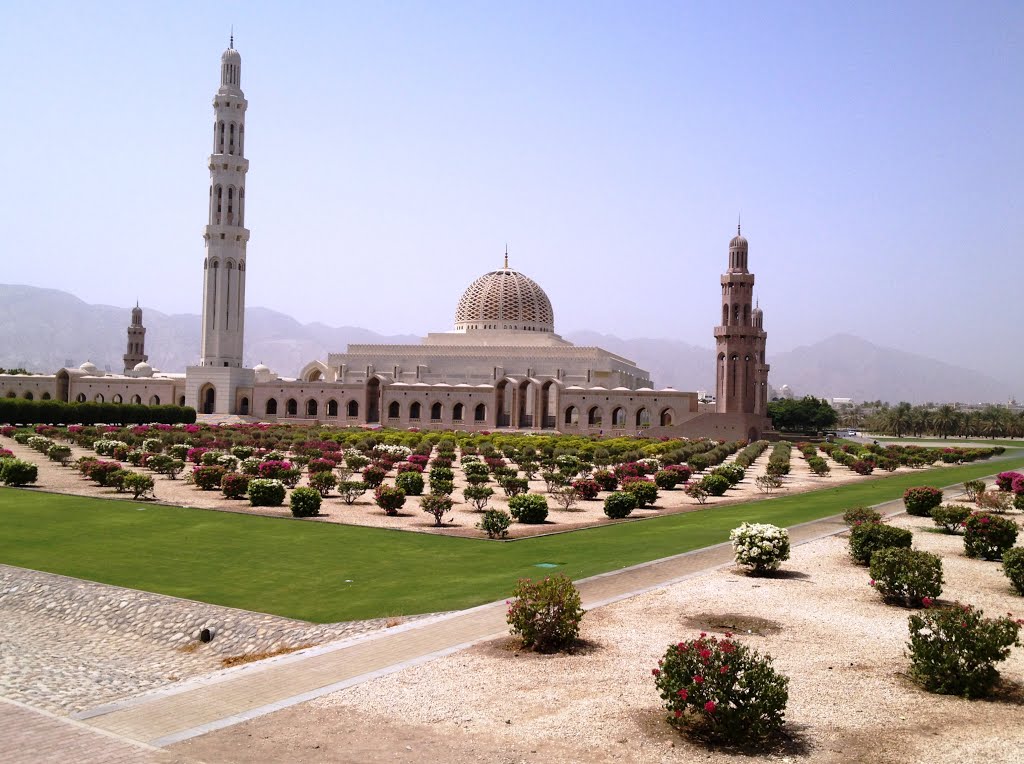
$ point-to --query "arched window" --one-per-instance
(80, 397)
(154, 400)
(457, 412)
(435, 412)
(243, 406)
(315, 376)
(46, 396)
(594, 417)
(619, 417)
(415, 410)
(746, 314)
(394, 410)
(311, 407)
(28, 395)
(725, 315)
(736, 313)
(181, 400)
(98, 398)
(480, 413)
(272, 407)
(572, 416)
(332, 408)
(117, 398)
(643, 418)
(137, 399)
(353, 409)
(666, 418)
(291, 408)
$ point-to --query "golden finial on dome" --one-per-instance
(506, 257)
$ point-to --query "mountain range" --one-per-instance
(45, 329)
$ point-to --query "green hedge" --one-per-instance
(21, 411)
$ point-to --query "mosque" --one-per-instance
(502, 366)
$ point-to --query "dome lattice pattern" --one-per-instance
(504, 299)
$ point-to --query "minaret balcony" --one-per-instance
(234, 162)
(738, 331)
(738, 278)
(226, 233)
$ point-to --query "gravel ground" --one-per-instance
(843, 649)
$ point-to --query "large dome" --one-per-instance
(504, 300)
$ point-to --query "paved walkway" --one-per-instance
(31, 736)
(198, 706)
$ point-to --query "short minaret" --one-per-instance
(136, 352)
(226, 236)
(741, 373)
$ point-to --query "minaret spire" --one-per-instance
(506, 256)
(231, 41)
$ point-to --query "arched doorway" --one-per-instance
(207, 398)
(594, 417)
(311, 408)
(665, 419)
(154, 400)
(271, 408)
(572, 416)
(137, 400)
(618, 417)
(332, 408)
(643, 418)
(373, 400)
(502, 411)
(291, 408)
(243, 407)
(548, 405)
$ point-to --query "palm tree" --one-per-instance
(944, 420)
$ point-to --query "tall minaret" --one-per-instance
(226, 235)
(136, 352)
(741, 373)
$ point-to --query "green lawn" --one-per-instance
(324, 572)
(951, 441)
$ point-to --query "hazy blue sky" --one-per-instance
(873, 148)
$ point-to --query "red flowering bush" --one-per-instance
(606, 480)
(722, 690)
(586, 488)
(987, 536)
(373, 475)
(862, 467)
(389, 498)
(921, 500)
(320, 465)
(545, 613)
(208, 478)
(1004, 480)
(234, 485)
(953, 650)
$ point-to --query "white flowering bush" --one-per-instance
(40, 443)
(250, 466)
(760, 546)
(105, 447)
(228, 462)
(399, 452)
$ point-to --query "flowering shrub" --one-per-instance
(697, 491)
(994, 501)
(586, 488)
(495, 523)
(105, 447)
(546, 614)
(273, 469)
(408, 467)
(950, 517)
(18, 472)
(59, 453)
(1013, 567)
(606, 480)
(351, 490)
(389, 498)
(906, 576)
(667, 479)
(973, 487)
(97, 471)
(920, 501)
(619, 504)
(233, 485)
(862, 467)
(858, 515)
(867, 538)
(137, 484)
(818, 466)
(987, 536)
(953, 650)
(644, 490)
(373, 476)
(320, 465)
(722, 689)
(436, 504)
(323, 482)
(266, 492)
(528, 508)
(731, 472)
(208, 478)
(305, 502)
(410, 482)
(760, 546)
(1004, 480)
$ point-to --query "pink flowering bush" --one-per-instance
(953, 650)
(1004, 480)
(987, 536)
(921, 500)
(546, 614)
(722, 690)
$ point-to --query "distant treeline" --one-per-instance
(21, 411)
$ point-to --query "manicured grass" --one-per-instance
(324, 572)
(951, 441)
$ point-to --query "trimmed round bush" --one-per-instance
(988, 536)
(950, 517)
(410, 482)
(586, 488)
(645, 491)
(389, 498)
(760, 546)
(137, 484)
(437, 505)
(444, 487)
(722, 689)
(234, 485)
(619, 504)
(305, 502)
(546, 614)
(477, 496)
(16, 472)
(323, 482)
(528, 508)
(920, 501)
(373, 475)
(351, 490)
(208, 478)
(666, 479)
(859, 515)
(59, 453)
(495, 523)
(514, 486)
(906, 576)
(868, 538)
(715, 485)
(266, 492)
(954, 650)
(606, 480)
(1013, 567)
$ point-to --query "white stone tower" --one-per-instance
(226, 236)
(220, 384)
(136, 350)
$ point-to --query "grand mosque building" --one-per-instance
(502, 366)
